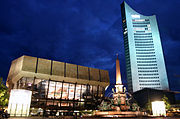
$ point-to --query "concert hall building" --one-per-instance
(56, 87)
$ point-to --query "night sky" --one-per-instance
(83, 32)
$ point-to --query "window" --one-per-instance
(139, 25)
(43, 88)
(149, 81)
(58, 90)
(146, 64)
(144, 44)
(146, 61)
(141, 22)
(145, 55)
(151, 84)
(29, 83)
(138, 20)
(148, 71)
(145, 52)
(65, 91)
(147, 67)
(148, 77)
(143, 39)
(71, 91)
(146, 58)
(51, 92)
(78, 91)
(150, 74)
(144, 47)
(142, 36)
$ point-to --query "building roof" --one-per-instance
(27, 66)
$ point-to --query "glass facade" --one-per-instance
(143, 51)
(56, 95)
(58, 88)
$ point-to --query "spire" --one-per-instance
(118, 73)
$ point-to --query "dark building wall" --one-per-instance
(143, 96)
(126, 46)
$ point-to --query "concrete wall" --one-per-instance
(83, 72)
(45, 69)
(94, 74)
(71, 70)
(29, 64)
(58, 68)
(44, 66)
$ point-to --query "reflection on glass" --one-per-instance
(95, 90)
(78, 92)
(29, 82)
(23, 83)
(50, 103)
(65, 91)
(43, 88)
(58, 90)
(64, 104)
(71, 91)
(51, 89)
(83, 93)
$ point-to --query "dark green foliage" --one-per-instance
(148, 107)
(166, 101)
(4, 94)
(104, 106)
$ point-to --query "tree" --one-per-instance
(4, 94)
(148, 107)
(166, 101)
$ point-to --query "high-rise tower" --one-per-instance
(143, 51)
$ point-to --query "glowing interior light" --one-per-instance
(135, 16)
(19, 102)
(158, 108)
(106, 87)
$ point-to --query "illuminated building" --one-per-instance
(158, 108)
(145, 64)
(58, 86)
(147, 95)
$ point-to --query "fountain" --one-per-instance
(119, 106)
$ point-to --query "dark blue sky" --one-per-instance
(84, 32)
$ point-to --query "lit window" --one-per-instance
(135, 16)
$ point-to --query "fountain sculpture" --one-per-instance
(119, 106)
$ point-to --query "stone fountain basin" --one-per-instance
(119, 113)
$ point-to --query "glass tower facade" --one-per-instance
(145, 64)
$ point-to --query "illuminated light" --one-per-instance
(19, 102)
(76, 110)
(158, 108)
(106, 87)
(125, 32)
(137, 28)
(138, 20)
(135, 16)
